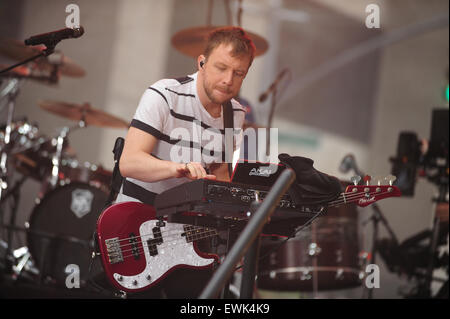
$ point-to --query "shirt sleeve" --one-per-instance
(152, 112)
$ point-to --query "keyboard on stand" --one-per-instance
(227, 200)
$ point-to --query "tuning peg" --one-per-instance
(391, 179)
(378, 179)
(367, 179)
(355, 179)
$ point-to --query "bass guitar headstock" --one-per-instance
(366, 194)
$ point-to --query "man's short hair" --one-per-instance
(236, 36)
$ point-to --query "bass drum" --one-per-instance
(324, 256)
(61, 229)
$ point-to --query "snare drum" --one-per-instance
(71, 170)
(95, 175)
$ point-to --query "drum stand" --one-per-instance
(6, 191)
(56, 159)
(11, 92)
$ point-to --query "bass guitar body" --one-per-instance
(138, 250)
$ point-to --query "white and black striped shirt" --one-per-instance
(171, 111)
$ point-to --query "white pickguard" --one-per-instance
(173, 251)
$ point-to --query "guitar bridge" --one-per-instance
(113, 250)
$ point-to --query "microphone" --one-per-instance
(52, 38)
(348, 163)
(264, 95)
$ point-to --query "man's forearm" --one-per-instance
(146, 168)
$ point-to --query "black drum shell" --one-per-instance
(58, 237)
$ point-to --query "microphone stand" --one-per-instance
(274, 90)
(44, 53)
(376, 217)
(269, 122)
(247, 238)
(250, 263)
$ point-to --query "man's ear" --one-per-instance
(201, 61)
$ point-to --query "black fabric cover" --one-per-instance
(311, 187)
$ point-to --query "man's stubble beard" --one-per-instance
(209, 93)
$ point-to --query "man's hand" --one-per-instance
(192, 170)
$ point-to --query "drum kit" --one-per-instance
(72, 194)
(60, 227)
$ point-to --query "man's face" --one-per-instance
(223, 74)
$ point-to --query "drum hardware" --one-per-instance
(18, 51)
(306, 273)
(52, 243)
(56, 159)
(21, 261)
(10, 92)
(314, 249)
(84, 115)
(24, 263)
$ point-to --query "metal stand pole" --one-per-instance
(250, 270)
(249, 234)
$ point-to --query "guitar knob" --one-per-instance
(355, 179)
(367, 179)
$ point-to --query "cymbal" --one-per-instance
(20, 71)
(23, 72)
(18, 51)
(84, 112)
(192, 41)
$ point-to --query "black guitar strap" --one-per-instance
(117, 179)
(228, 122)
